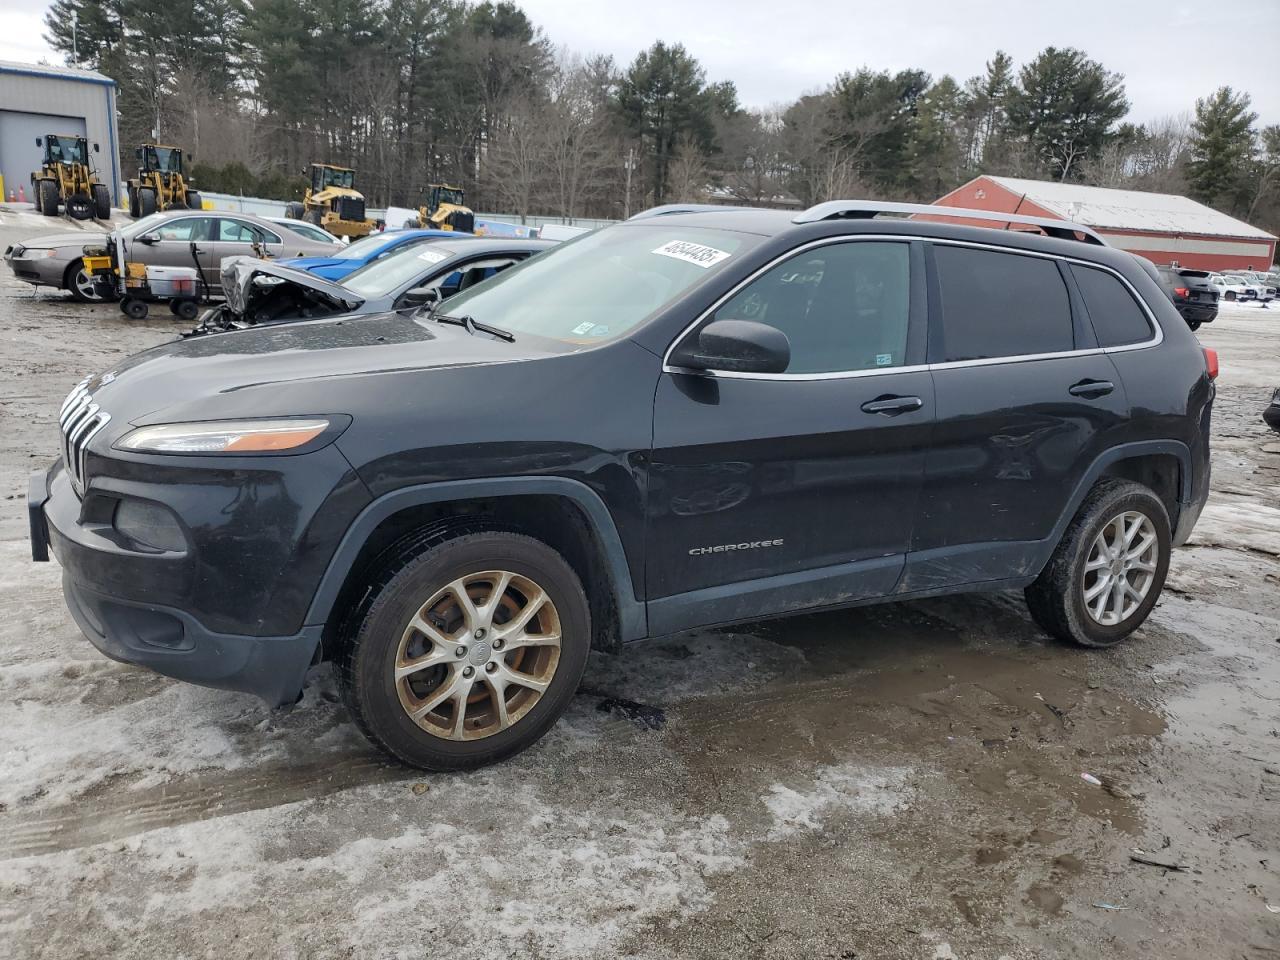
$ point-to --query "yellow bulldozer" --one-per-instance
(160, 184)
(66, 179)
(446, 209)
(332, 202)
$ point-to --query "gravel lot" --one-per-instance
(897, 781)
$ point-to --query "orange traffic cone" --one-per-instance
(22, 194)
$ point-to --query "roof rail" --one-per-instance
(867, 209)
(670, 208)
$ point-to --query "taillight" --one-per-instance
(1181, 292)
(1211, 362)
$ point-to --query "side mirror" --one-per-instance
(95, 149)
(736, 346)
(39, 141)
(138, 153)
(148, 239)
(420, 297)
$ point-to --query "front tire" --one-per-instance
(49, 198)
(194, 200)
(101, 201)
(146, 201)
(81, 285)
(1109, 568)
(468, 651)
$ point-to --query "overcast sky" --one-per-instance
(774, 50)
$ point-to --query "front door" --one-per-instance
(780, 492)
(183, 242)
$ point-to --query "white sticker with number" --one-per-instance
(432, 256)
(694, 253)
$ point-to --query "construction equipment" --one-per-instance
(67, 179)
(332, 202)
(446, 209)
(160, 184)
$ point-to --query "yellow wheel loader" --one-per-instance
(332, 202)
(66, 179)
(160, 184)
(446, 209)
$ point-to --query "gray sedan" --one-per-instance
(186, 238)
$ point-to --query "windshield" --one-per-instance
(143, 225)
(385, 276)
(366, 247)
(601, 285)
(65, 149)
(450, 196)
(332, 177)
(164, 159)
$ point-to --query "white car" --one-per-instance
(1265, 282)
(1229, 286)
(1253, 289)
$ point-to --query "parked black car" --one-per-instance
(1192, 294)
(691, 418)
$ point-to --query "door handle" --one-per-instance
(891, 406)
(1091, 389)
(197, 250)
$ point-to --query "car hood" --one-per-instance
(246, 279)
(312, 367)
(82, 239)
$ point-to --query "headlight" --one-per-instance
(37, 253)
(224, 436)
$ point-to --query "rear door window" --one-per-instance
(996, 304)
(1117, 318)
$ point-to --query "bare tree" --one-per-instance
(687, 174)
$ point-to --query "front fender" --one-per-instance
(631, 611)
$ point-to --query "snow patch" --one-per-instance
(836, 789)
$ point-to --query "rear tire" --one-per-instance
(1098, 587)
(194, 201)
(134, 212)
(101, 201)
(146, 201)
(294, 210)
(48, 198)
(134, 309)
(467, 728)
(315, 217)
(184, 309)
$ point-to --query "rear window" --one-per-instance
(1000, 305)
(1117, 318)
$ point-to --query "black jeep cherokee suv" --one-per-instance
(695, 417)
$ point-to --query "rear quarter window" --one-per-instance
(997, 304)
(1117, 318)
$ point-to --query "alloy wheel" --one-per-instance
(85, 286)
(478, 655)
(1121, 567)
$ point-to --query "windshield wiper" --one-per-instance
(471, 325)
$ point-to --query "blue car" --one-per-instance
(366, 250)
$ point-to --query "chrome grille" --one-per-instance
(79, 421)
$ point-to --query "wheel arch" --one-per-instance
(565, 513)
(1163, 465)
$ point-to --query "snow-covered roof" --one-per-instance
(1128, 209)
(44, 69)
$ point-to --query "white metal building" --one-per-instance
(36, 99)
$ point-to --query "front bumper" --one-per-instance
(45, 271)
(174, 644)
(157, 636)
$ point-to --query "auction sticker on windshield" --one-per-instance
(694, 253)
(432, 256)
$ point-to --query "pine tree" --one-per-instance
(1222, 149)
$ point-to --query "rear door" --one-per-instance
(777, 492)
(1026, 402)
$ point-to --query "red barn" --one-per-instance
(1162, 227)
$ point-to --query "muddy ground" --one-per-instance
(898, 781)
